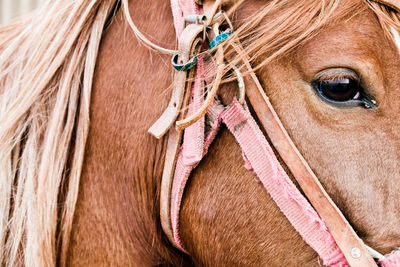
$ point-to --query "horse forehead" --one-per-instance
(359, 39)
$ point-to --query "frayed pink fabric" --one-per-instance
(180, 9)
(285, 194)
(262, 159)
(194, 134)
(182, 172)
(391, 260)
(247, 164)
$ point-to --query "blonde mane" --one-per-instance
(47, 64)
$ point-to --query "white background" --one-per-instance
(10, 9)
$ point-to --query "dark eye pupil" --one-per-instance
(339, 89)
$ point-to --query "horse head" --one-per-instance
(74, 193)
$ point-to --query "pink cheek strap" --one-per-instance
(261, 157)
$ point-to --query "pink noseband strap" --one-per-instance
(268, 169)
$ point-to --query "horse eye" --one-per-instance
(343, 89)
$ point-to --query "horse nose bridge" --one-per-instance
(390, 145)
(391, 127)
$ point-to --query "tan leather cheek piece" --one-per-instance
(187, 46)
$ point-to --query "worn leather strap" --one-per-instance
(395, 4)
(174, 141)
(351, 245)
(188, 43)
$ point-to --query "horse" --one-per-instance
(81, 176)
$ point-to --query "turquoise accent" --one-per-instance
(193, 61)
(183, 67)
(219, 39)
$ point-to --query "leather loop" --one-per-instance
(188, 43)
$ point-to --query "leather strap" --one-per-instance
(395, 4)
(351, 245)
(182, 124)
(174, 141)
(186, 51)
(188, 43)
(210, 8)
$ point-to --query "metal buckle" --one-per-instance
(196, 19)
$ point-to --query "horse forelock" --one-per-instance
(47, 64)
